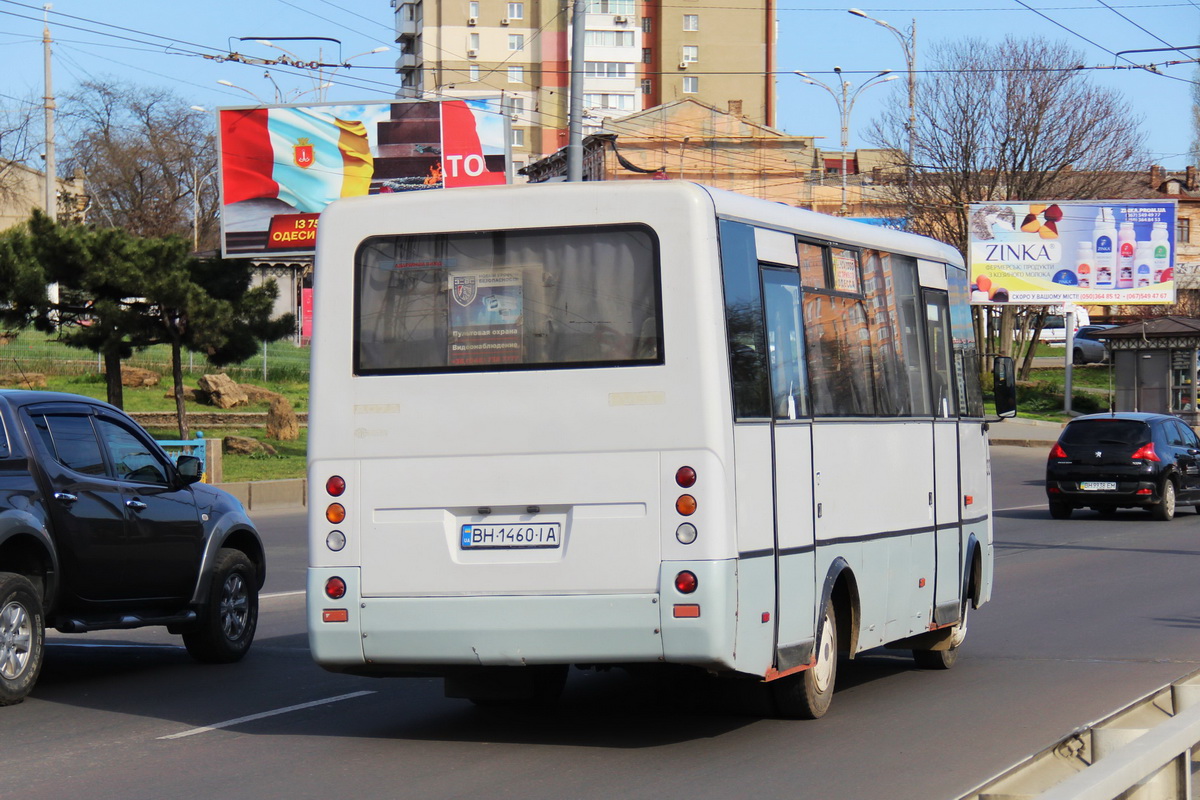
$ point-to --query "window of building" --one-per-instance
(608, 38)
(518, 137)
(1183, 231)
(611, 7)
(647, 55)
(647, 86)
(691, 84)
(691, 22)
(474, 72)
(516, 11)
(608, 69)
(691, 53)
(619, 102)
(473, 9)
(647, 24)
(516, 74)
(516, 41)
(473, 42)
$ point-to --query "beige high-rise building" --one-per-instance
(639, 54)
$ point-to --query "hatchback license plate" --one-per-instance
(506, 537)
(1098, 486)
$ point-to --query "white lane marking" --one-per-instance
(1022, 508)
(273, 595)
(264, 715)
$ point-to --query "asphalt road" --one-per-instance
(1088, 614)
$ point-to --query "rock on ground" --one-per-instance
(223, 391)
(245, 445)
(281, 421)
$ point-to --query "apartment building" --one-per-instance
(638, 54)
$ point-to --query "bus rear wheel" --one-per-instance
(807, 694)
(945, 659)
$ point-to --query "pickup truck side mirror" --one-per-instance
(190, 469)
(1004, 386)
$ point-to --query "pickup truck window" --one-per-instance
(4, 451)
(72, 442)
(131, 456)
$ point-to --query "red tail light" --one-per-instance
(1057, 451)
(335, 588)
(336, 485)
(686, 582)
(1146, 453)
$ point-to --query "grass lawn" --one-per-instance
(289, 461)
(156, 398)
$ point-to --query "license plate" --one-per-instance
(510, 536)
(1098, 486)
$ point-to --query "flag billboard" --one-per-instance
(281, 165)
(1096, 252)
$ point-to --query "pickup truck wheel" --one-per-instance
(229, 618)
(22, 637)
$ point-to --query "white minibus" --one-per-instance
(637, 423)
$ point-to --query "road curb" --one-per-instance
(259, 495)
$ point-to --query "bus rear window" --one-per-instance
(536, 299)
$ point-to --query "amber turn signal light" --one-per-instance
(686, 505)
(336, 513)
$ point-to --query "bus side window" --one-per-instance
(785, 342)
(744, 321)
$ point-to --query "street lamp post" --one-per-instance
(845, 103)
(908, 43)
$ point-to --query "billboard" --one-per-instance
(281, 165)
(1096, 252)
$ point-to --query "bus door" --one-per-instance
(792, 464)
(947, 584)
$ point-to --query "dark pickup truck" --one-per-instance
(100, 529)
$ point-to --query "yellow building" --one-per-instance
(23, 189)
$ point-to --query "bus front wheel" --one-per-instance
(807, 694)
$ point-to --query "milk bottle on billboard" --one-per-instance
(1104, 235)
(1161, 242)
(1143, 264)
(1084, 262)
(1126, 253)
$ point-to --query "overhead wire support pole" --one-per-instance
(575, 114)
(48, 105)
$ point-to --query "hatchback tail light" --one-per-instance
(1057, 451)
(1146, 453)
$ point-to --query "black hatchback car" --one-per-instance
(1123, 460)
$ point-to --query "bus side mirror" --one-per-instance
(1004, 386)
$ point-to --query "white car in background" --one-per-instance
(1054, 332)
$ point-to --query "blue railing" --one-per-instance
(187, 447)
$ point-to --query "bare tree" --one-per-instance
(19, 143)
(150, 159)
(1014, 121)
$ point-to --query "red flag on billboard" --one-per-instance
(462, 154)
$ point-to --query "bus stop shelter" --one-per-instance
(1154, 365)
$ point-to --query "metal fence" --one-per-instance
(1145, 751)
(34, 352)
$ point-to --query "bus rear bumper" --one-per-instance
(430, 634)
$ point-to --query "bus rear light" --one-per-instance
(686, 505)
(335, 615)
(336, 513)
(685, 477)
(686, 582)
(335, 541)
(686, 611)
(336, 485)
(335, 588)
(686, 533)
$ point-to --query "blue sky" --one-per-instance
(157, 43)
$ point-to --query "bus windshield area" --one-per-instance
(534, 299)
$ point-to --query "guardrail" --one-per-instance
(1142, 752)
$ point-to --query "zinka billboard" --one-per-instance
(281, 165)
(1099, 252)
